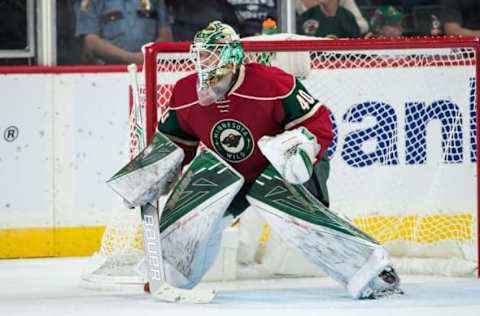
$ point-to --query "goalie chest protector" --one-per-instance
(232, 126)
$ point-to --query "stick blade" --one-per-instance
(170, 294)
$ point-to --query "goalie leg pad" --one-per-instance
(193, 218)
(207, 253)
(340, 249)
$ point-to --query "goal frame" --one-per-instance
(150, 71)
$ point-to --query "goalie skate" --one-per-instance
(385, 284)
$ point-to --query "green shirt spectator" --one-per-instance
(328, 19)
(387, 21)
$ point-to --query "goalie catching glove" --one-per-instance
(291, 153)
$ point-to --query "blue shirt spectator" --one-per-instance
(114, 31)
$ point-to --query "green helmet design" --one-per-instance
(216, 51)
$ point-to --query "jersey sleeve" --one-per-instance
(170, 126)
(300, 108)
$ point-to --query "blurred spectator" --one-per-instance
(387, 21)
(408, 5)
(114, 31)
(461, 17)
(252, 13)
(426, 19)
(405, 5)
(420, 17)
(328, 19)
(350, 5)
(190, 16)
(69, 46)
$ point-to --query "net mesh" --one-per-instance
(403, 157)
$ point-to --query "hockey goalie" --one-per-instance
(263, 139)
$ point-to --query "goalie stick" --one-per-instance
(151, 216)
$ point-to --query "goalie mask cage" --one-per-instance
(403, 160)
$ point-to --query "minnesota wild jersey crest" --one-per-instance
(232, 140)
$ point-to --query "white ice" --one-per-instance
(44, 287)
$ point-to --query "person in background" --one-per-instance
(405, 5)
(387, 21)
(114, 32)
(350, 5)
(328, 19)
(69, 46)
(461, 17)
(190, 16)
(252, 13)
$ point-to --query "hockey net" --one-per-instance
(403, 160)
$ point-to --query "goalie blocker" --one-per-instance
(150, 174)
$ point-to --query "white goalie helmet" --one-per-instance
(216, 52)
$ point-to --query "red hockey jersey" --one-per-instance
(264, 101)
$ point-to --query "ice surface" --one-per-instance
(44, 287)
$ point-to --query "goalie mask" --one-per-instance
(216, 53)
